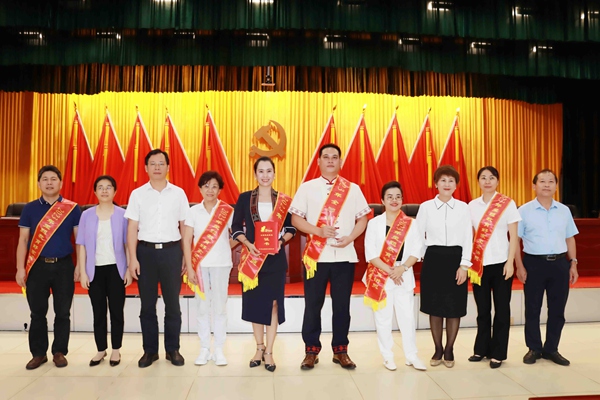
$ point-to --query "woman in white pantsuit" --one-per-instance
(399, 277)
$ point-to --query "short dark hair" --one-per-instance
(209, 176)
(155, 152)
(108, 178)
(330, 146)
(447, 170)
(391, 185)
(263, 158)
(50, 168)
(544, 171)
(492, 170)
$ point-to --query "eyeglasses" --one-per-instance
(103, 188)
(390, 197)
(157, 164)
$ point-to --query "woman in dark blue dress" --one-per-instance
(263, 305)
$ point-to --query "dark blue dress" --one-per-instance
(257, 304)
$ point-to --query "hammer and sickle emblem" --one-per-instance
(275, 148)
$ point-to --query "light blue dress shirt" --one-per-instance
(545, 231)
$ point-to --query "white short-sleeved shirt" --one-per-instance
(158, 213)
(220, 254)
(496, 250)
(446, 224)
(375, 239)
(308, 203)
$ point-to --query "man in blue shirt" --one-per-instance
(44, 263)
(549, 264)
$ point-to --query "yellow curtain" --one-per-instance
(516, 137)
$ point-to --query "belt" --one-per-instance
(158, 246)
(548, 257)
(53, 260)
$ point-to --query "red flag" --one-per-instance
(453, 155)
(328, 136)
(180, 170)
(392, 162)
(77, 182)
(422, 165)
(108, 159)
(360, 166)
(134, 172)
(212, 157)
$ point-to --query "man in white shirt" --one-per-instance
(335, 263)
(156, 212)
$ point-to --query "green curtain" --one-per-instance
(555, 20)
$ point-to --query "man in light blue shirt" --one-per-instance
(549, 264)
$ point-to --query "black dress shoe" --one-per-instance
(531, 357)
(556, 358)
(495, 364)
(36, 362)
(475, 358)
(93, 362)
(175, 357)
(147, 360)
(114, 363)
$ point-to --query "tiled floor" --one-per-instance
(514, 380)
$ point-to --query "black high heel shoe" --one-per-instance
(475, 358)
(269, 367)
(256, 363)
(93, 363)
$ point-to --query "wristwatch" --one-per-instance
(574, 259)
(405, 267)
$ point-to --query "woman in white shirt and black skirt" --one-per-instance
(445, 226)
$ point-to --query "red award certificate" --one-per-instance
(266, 236)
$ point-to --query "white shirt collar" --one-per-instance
(438, 203)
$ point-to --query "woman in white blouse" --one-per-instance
(493, 257)
(445, 226)
(400, 283)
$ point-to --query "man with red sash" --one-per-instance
(333, 263)
(208, 260)
(44, 263)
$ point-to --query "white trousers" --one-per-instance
(401, 300)
(216, 282)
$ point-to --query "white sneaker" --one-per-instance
(203, 357)
(417, 364)
(219, 357)
(389, 364)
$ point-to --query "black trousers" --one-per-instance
(551, 277)
(160, 266)
(42, 278)
(493, 345)
(341, 277)
(107, 285)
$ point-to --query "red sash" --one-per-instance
(375, 295)
(46, 228)
(205, 243)
(250, 264)
(315, 246)
(489, 220)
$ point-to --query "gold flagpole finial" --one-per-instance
(457, 110)
(207, 109)
(75, 105)
(364, 108)
(137, 109)
(167, 110)
(334, 107)
(106, 108)
(428, 110)
(396, 110)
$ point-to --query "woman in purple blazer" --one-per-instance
(103, 266)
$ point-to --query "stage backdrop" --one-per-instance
(516, 137)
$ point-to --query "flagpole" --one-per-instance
(456, 143)
(75, 134)
(332, 125)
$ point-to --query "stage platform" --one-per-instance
(581, 307)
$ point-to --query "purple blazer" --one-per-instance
(88, 231)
